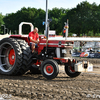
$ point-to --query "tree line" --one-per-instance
(83, 19)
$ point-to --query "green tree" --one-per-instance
(39, 20)
(1, 23)
(79, 18)
(57, 16)
(84, 18)
(95, 19)
(33, 15)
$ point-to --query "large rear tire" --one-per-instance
(15, 56)
(70, 71)
(49, 69)
(26, 56)
(10, 56)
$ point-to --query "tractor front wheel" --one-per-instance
(70, 71)
(49, 69)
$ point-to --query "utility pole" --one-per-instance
(46, 26)
(46, 20)
(66, 30)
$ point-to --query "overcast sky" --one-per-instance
(11, 6)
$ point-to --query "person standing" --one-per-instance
(64, 32)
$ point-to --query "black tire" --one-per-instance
(49, 69)
(71, 72)
(26, 56)
(10, 56)
(35, 69)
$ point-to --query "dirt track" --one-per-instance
(36, 87)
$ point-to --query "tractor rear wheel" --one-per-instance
(49, 69)
(70, 71)
(15, 56)
(10, 56)
(26, 56)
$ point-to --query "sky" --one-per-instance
(12, 6)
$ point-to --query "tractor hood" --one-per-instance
(56, 42)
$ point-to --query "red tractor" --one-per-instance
(16, 57)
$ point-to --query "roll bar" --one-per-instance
(20, 27)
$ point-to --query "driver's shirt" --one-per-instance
(34, 36)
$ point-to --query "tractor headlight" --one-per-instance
(59, 43)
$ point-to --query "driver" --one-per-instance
(34, 39)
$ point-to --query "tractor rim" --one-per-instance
(11, 57)
(48, 69)
(7, 57)
(71, 70)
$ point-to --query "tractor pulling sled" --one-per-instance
(16, 57)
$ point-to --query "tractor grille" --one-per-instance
(66, 52)
(63, 52)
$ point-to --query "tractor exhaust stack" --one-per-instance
(46, 20)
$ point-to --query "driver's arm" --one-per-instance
(34, 40)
